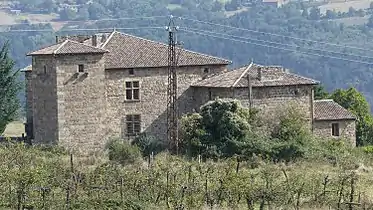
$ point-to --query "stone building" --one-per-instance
(331, 119)
(84, 90)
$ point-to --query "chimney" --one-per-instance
(103, 38)
(259, 73)
(94, 40)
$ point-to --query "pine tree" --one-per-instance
(9, 88)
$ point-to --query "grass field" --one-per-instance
(342, 6)
(14, 129)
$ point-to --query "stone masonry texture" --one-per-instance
(346, 129)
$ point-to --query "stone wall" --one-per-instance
(153, 97)
(29, 102)
(44, 99)
(268, 99)
(346, 129)
(81, 102)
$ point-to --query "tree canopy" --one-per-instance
(9, 89)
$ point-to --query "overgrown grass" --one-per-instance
(167, 181)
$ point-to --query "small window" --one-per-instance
(80, 68)
(335, 129)
(206, 70)
(133, 124)
(131, 71)
(133, 90)
(45, 69)
(210, 95)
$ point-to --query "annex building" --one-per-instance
(83, 90)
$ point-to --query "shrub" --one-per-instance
(368, 149)
(148, 144)
(123, 152)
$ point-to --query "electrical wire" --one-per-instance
(272, 34)
(87, 21)
(280, 48)
(82, 29)
(271, 42)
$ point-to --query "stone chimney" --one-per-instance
(103, 38)
(94, 40)
(259, 73)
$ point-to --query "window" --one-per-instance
(45, 69)
(335, 129)
(80, 68)
(133, 123)
(133, 90)
(131, 71)
(206, 70)
(210, 95)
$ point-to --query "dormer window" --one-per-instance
(80, 68)
(131, 71)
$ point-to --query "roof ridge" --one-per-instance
(161, 43)
(108, 39)
(243, 73)
(325, 99)
(59, 47)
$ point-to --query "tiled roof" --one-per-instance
(127, 51)
(261, 76)
(330, 110)
(68, 47)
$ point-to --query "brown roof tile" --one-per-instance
(328, 109)
(68, 47)
(270, 76)
(127, 51)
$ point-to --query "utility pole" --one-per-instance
(172, 107)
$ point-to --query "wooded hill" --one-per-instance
(307, 42)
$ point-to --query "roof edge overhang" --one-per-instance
(338, 119)
(255, 86)
(143, 67)
(57, 54)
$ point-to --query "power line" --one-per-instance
(272, 34)
(87, 21)
(81, 29)
(280, 48)
(271, 42)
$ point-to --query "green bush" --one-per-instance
(123, 152)
(148, 144)
(368, 149)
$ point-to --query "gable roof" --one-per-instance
(328, 109)
(127, 51)
(68, 47)
(260, 76)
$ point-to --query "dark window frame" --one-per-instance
(206, 70)
(131, 71)
(132, 90)
(335, 129)
(133, 124)
(81, 68)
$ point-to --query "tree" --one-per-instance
(222, 129)
(320, 92)
(355, 102)
(9, 89)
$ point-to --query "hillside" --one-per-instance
(307, 42)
